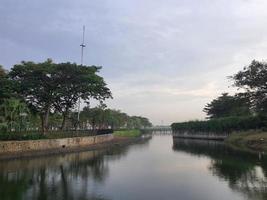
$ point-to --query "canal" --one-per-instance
(156, 168)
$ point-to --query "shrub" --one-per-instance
(221, 125)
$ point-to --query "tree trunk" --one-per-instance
(42, 121)
(45, 118)
(63, 124)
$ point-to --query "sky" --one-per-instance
(162, 59)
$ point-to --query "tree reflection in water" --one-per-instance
(69, 176)
(245, 172)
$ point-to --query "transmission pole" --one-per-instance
(82, 47)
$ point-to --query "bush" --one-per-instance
(5, 136)
(221, 125)
(19, 136)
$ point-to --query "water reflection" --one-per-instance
(161, 168)
(70, 176)
(245, 172)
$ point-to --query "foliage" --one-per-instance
(226, 106)
(6, 85)
(43, 96)
(36, 135)
(128, 133)
(253, 79)
(137, 122)
(35, 84)
(100, 118)
(48, 87)
(221, 125)
(74, 82)
(19, 136)
(12, 114)
(244, 111)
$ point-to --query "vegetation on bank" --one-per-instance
(128, 133)
(43, 98)
(224, 125)
(103, 118)
(248, 140)
(243, 111)
(52, 134)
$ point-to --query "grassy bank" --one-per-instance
(248, 140)
(127, 133)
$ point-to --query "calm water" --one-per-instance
(158, 168)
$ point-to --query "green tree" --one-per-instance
(96, 117)
(6, 85)
(75, 81)
(253, 80)
(227, 106)
(101, 117)
(35, 84)
(12, 112)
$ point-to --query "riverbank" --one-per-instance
(248, 141)
(24, 148)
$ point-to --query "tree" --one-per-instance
(75, 81)
(253, 80)
(100, 117)
(35, 84)
(6, 85)
(11, 113)
(96, 117)
(227, 106)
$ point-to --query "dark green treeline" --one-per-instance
(243, 111)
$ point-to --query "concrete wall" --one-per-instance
(49, 144)
(205, 136)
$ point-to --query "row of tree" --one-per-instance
(247, 109)
(43, 96)
(103, 118)
(252, 98)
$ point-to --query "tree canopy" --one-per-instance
(227, 106)
(49, 87)
(253, 80)
(102, 118)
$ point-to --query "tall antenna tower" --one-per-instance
(82, 47)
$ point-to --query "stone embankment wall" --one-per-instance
(51, 144)
(204, 136)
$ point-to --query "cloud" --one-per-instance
(164, 59)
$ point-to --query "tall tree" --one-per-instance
(226, 106)
(253, 80)
(75, 81)
(35, 83)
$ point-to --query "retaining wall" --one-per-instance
(50, 144)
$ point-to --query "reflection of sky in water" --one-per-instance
(156, 169)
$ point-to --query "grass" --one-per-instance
(127, 133)
(249, 140)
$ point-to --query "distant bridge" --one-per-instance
(160, 129)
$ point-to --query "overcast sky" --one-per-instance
(162, 59)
